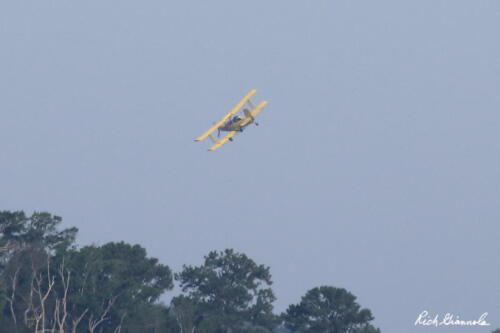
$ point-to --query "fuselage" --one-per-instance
(236, 123)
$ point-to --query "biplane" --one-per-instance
(233, 123)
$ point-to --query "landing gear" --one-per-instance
(256, 124)
(231, 139)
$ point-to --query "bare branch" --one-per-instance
(56, 316)
(38, 313)
(12, 296)
(119, 327)
(61, 321)
(78, 320)
(29, 301)
(43, 296)
(93, 323)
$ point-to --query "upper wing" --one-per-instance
(223, 140)
(233, 111)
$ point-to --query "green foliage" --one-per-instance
(230, 292)
(46, 282)
(39, 230)
(117, 270)
(186, 313)
(25, 247)
(367, 329)
(43, 276)
(118, 273)
(327, 310)
(146, 318)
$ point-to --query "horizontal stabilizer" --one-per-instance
(259, 107)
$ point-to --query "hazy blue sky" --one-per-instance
(376, 166)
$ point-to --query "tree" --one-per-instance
(47, 284)
(328, 310)
(26, 244)
(113, 284)
(17, 232)
(367, 329)
(231, 293)
(186, 314)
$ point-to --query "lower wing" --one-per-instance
(222, 141)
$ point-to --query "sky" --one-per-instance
(375, 167)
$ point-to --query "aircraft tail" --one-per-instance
(248, 114)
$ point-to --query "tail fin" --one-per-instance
(248, 114)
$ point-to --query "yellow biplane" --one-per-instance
(234, 123)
